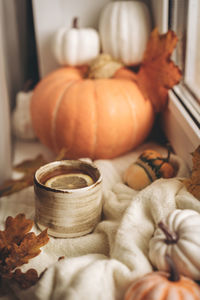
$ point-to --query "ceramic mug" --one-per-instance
(68, 198)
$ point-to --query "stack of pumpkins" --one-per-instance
(174, 251)
(96, 118)
(106, 117)
(174, 248)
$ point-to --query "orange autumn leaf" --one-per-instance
(193, 183)
(17, 247)
(158, 73)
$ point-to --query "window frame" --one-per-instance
(192, 25)
(180, 121)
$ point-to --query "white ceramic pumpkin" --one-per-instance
(76, 46)
(124, 28)
(179, 237)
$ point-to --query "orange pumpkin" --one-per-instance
(157, 286)
(96, 118)
(163, 286)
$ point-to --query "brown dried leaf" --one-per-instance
(193, 183)
(15, 185)
(25, 280)
(28, 248)
(15, 230)
(196, 160)
(17, 247)
(28, 167)
(158, 73)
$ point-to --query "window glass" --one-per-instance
(197, 69)
(192, 69)
(184, 19)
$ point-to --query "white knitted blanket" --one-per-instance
(102, 264)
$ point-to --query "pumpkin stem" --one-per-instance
(174, 274)
(103, 66)
(168, 153)
(171, 237)
(75, 23)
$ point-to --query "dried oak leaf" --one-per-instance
(25, 280)
(17, 246)
(158, 73)
(30, 165)
(15, 185)
(15, 230)
(28, 168)
(27, 249)
(193, 183)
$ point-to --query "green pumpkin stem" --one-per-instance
(174, 274)
(75, 23)
(171, 237)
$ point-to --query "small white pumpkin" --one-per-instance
(21, 118)
(179, 237)
(124, 28)
(76, 46)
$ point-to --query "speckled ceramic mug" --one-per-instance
(68, 198)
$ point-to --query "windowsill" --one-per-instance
(23, 150)
(181, 131)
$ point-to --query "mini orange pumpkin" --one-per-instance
(163, 286)
(96, 118)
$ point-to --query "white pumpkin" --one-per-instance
(21, 118)
(179, 237)
(124, 28)
(76, 46)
